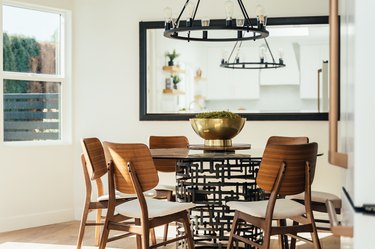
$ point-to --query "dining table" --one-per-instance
(210, 177)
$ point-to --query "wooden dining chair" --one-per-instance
(318, 204)
(94, 168)
(166, 165)
(284, 170)
(287, 140)
(318, 198)
(132, 171)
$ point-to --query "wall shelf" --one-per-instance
(173, 69)
(173, 92)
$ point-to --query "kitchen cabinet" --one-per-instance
(312, 57)
(288, 75)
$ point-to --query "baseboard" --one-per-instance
(34, 220)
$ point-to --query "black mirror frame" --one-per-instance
(144, 116)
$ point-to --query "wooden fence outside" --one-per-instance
(31, 116)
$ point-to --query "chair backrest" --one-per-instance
(167, 142)
(94, 156)
(296, 158)
(287, 140)
(140, 157)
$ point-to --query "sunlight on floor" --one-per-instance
(308, 236)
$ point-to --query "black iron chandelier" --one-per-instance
(243, 28)
(234, 61)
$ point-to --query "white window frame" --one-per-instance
(64, 75)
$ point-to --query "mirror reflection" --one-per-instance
(185, 78)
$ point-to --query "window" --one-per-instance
(33, 75)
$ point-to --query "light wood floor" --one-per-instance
(66, 234)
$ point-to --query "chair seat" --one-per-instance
(284, 208)
(120, 195)
(319, 197)
(166, 187)
(156, 208)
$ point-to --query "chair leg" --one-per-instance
(293, 240)
(139, 241)
(138, 237)
(280, 236)
(169, 198)
(266, 239)
(153, 236)
(82, 226)
(146, 238)
(233, 230)
(189, 236)
(314, 235)
(165, 237)
(283, 239)
(104, 237)
(97, 227)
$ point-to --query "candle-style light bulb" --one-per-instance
(281, 56)
(261, 15)
(224, 56)
(240, 22)
(205, 23)
(168, 14)
(190, 13)
(262, 54)
(190, 10)
(229, 7)
(239, 54)
(259, 10)
(174, 20)
(168, 17)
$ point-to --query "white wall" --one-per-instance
(106, 103)
(36, 185)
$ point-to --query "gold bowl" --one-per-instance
(217, 131)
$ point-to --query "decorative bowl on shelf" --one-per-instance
(217, 128)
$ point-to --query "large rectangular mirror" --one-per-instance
(298, 91)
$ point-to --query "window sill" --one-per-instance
(36, 143)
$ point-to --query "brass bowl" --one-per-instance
(217, 131)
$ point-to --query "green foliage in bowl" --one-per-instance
(219, 114)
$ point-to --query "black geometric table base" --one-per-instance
(210, 183)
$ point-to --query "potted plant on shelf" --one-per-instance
(217, 128)
(175, 79)
(171, 57)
